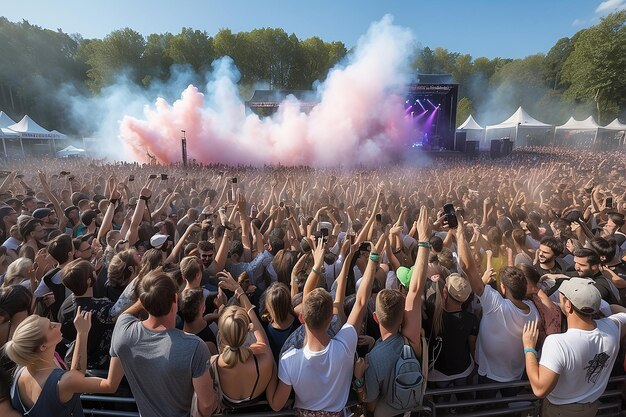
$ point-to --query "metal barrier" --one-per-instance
(522, 404)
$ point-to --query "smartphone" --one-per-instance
(131, 178)
(234, 180)
(71, 177)
(324, 233)
(351, 239)
(608, 203)
(450, 216)
(379, 218)
(163, 177)
(152, 176)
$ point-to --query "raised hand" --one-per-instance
(82, 321)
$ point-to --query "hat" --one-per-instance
(404, 275)
(69, 209)
(158, 240)
(582, 293)
(40, 213)
(458, 287)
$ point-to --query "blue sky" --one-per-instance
(491, 28)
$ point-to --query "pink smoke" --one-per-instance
(359, 120)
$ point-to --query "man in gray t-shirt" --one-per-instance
(164, 366)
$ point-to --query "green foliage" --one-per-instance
(463, 111)
(595, 68)
(579, 75)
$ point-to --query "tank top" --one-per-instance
(48, 403)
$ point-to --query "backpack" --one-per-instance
(409, 378)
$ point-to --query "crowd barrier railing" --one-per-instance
(436, 402)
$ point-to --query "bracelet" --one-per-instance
(424, 245)
(237, 296)
(144, 198)
(315, 271)
(531, 350)
(358, 383)
(251, 309)
(374, 257)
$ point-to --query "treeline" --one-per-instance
(581, 75)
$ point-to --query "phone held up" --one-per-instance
(450, 216)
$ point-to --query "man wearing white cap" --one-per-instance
(584, 355)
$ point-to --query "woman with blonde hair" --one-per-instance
(279, 319)
(40, 387)
(21, 272)
(240, 372)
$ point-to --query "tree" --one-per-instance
(595, 68)
(463, 110)
(121, 50)
(191, 47)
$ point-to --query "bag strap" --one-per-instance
(424, 361)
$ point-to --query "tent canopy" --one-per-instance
(519, 118)
(5, 121)
(28, 128)
(470, 124)
(70, 150)
(572, 124)
(615, 125)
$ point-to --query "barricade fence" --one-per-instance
(437, 402)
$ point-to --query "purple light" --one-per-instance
(421, 105)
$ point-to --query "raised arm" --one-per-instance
(342, 281)
(132, 233)
(466, 261)
(173, 258)
(315, 274)
(412, 322)
(55, 202)
(365, 289)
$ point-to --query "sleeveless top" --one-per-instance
(229, 402)
(48, 403)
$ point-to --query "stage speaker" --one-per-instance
(472, 148)
(460, 141)
(496, 148)
(507, 147)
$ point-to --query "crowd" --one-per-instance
(208, 288)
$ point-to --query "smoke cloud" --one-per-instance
(359, 118)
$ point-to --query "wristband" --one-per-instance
(531, 350)
(113, 201)
(358, 383)
(144, 198)
(315, 271)
(251, 309)
(424, 245)
(237, 296)
(374, 257)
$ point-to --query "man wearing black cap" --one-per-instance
(48, 219)
(585, 354)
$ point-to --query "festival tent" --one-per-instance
(572, 124)
(520, 120)
(616, 126)
(29, 129)
(578, 129)
(5, 121)
(70, 151)
(473, 130)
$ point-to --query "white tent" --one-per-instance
(70, 151)
(473, 131)
(58, 135)
(615, 125)
(470, 124)
(520, 120)
(5, 121)
(572, 124)
(29, 129)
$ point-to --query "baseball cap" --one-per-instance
(404, 275)
(158, 240)
(40, 213)
(582, 293)
(458, 287)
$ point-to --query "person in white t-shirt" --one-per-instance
(499, 349)
(320, 373)
(585, 354)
